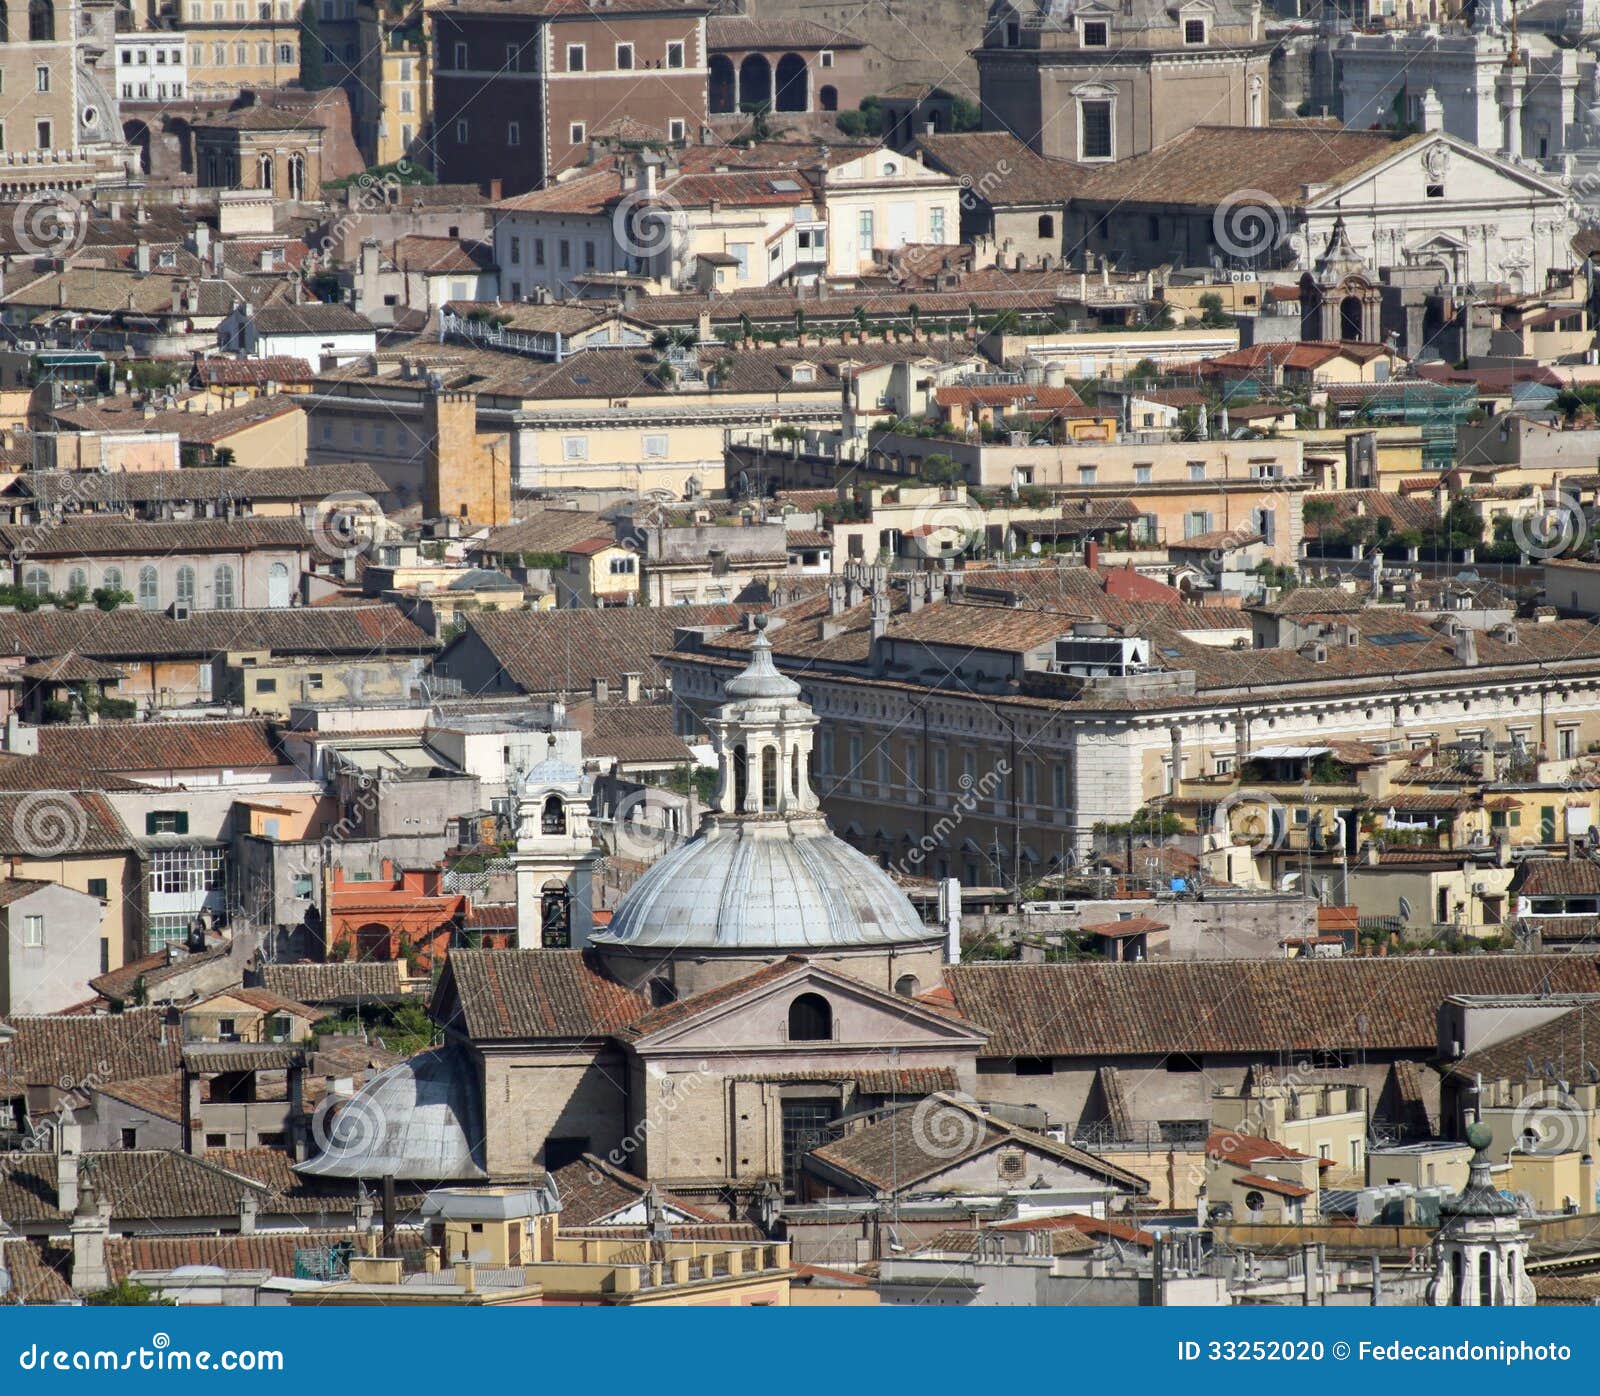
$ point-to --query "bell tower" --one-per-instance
(555, 857)
(1482, 1247)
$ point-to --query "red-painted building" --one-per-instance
(382, 918)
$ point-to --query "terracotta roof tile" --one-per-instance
(1096, 1010)
(494, 995)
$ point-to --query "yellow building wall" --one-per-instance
(120, 932)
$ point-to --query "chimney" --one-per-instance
(602, 689)
(202, 240)
(632, 687)
(880, 615)
(495, 187)
(1091, 554)
(67, 1167)
(1467, 647)
(141, 257)
(852, 586)
(249, 1210)
(90, 1226)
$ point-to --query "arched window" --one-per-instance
(111, 579)
(722, 87)
(297, 176)
(662, 993)
(77, 580)
(36, 581)
(5, 23)
(1047, 225)
(1485, 1279)
(769, 779)
(554, 818)
(222, 587)
(810, 1019)
(264, 172)
(185, 588)
(555, 917)
(828, 98)
(908, 986)
(41, 21)
(1457, 1280)
(793, 82)
(794, 772)
(149, 588)
(741, 777)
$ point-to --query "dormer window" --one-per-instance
(1194, 31)
(1095, 33)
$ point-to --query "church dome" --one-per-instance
(765, 885)
(764, 873)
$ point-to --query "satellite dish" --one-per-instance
(1405, 909)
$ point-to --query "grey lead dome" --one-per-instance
(783, 884)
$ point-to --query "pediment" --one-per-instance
(863, 1017)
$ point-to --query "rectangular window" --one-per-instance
(625, 57)
(460, 60)
(654, 446)
(1197, 472)
(166, 821)
(516, 250)
(675, 55)
(825, 58)
(538, 252)
(513, 133)
(463, 132)
(577, 133)
(676, 130)
(1194, 31)
(33, 931)
(1141, 474)
(574, 448)
(97, 887)
(564, 252)
(41, 79)
(575, 58)
(864, 229)
(936, 225)
(1095, 133)
(513, 57)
